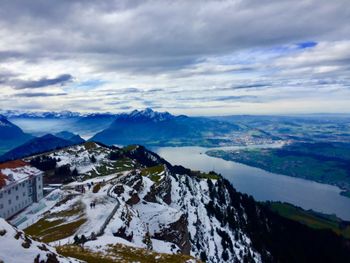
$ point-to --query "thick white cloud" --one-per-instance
(194, 57)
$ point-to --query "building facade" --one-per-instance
(20, 186)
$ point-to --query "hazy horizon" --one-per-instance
(12, 113)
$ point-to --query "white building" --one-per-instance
(20, 185)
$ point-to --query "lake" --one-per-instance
(262, 185)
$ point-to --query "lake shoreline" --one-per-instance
(261, 184)
(344, 191)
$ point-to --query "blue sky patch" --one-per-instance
(307, 44)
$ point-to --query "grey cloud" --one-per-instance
(10, 54)
(43, 82)
(243, 98)
(251, 86)
(111, 92)
(146, 36)
(5, 76)
(196, 51)
(115, 102)
(154, 90)
(125, 107)
(236, 98)
(38, 94)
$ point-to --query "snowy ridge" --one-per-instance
(145, 115)
(141, 201)
(192, 196)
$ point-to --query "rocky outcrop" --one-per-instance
(177, 233)
(134, 199)
(160, 190)
(133, 180)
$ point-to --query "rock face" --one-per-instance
(179, 211)
(161, 190)
(177, 233)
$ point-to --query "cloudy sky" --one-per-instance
(189, 57)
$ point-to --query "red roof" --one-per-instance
(13, 164)
(9, 165)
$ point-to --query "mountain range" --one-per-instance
(152, 128)
(146, 127)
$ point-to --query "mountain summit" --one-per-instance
(145, 115)
(149, 127)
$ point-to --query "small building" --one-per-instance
(20, 185)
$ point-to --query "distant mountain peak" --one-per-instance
(147, 115)
(41, 115)
(4, 122)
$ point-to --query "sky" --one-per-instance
(186, 57)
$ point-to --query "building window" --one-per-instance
(9, 191)
(1, 206)
(0, 195)
(9, 201)
(16, 187)
(16, 197)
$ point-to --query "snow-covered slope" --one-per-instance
(131, 198)
(16, 247)
(140, 201)
(89, 159)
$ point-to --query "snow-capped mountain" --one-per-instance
(146, 127)
(145, 115)
(142, 201)
(149, 127)
(41, 115)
